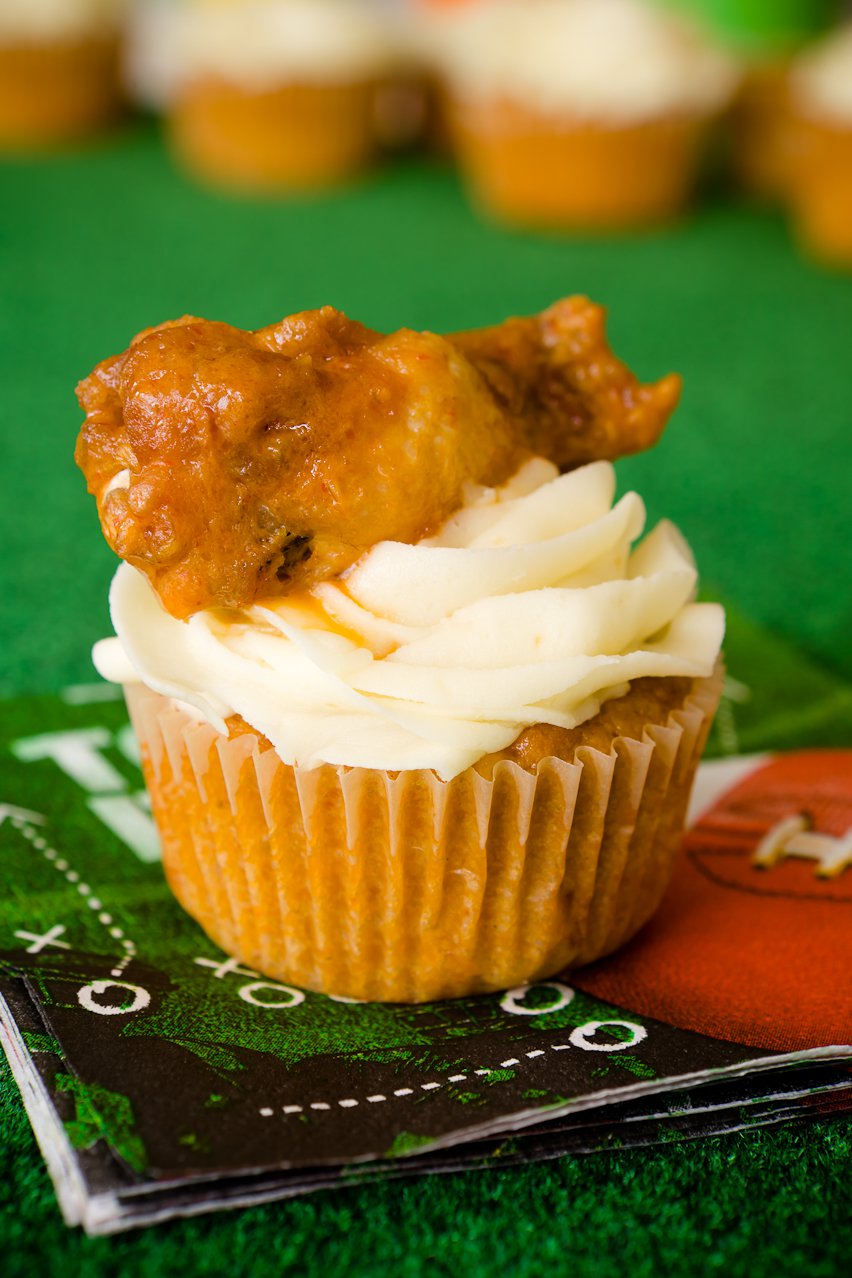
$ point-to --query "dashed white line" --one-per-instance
(350, 1102)
(71, 876)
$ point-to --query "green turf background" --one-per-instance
(755, 469)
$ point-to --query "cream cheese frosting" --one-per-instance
(822, 78)
(528, 606)
(56, 19)
(259, 43)
(611, 60)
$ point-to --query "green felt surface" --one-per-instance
(95, 245)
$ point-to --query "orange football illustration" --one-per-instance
(753, 942)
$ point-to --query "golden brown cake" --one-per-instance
(447, 746)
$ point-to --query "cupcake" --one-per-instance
(580, 113)
(820, 185)
(417, 717)
(58, 70)
(274, 95)
(766, 35)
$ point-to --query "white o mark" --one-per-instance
(292, 998)
(347, 1104)
(582, 1036)
(320, 1105)
(116, 932)
(266, 1112)
(291, 1109)
(404, 1091)
(373, 1100)
(513, 1000)
(86, 998)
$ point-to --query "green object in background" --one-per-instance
(764, 26)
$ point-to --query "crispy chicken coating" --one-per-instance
(231, 466)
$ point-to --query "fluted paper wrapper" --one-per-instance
(403, 887)
(295, 136)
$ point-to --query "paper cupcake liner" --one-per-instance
(57, 91)
(293, 137)
(402, 887)
(533, 169)
(820, 187)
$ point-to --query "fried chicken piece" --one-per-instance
(231, 466)
(568, 397)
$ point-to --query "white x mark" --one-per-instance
(224, 968)
(48, 938)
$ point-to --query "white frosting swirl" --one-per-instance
(259, 44)
(527, 607)
(57, 19)
(609, 60)
(822, 78)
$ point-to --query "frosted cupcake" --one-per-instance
(766, 35)
(58, 70)
(580, 113)
(278, 94)
(820, 186)
(427, 766)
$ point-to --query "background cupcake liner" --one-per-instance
(401, 887)
(541, 170)
(56, 91)
(295, 136)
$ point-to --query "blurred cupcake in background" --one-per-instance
(152, 58)
(58, 70)
(580, 113)
(820, 180)
(766, 35)
(276, 95)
